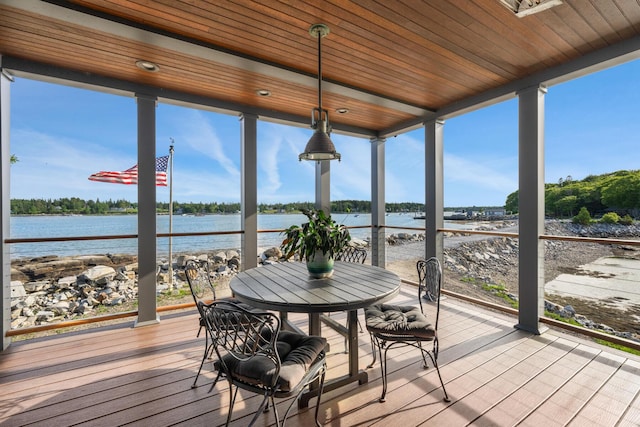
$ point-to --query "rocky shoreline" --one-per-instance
(491, 266)
(51, 289)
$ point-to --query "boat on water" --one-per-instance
(457, 215)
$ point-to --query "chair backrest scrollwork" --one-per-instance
(430, 282)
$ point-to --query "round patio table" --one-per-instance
(286, 287)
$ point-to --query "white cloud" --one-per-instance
(351, 177)
(54, 167)
(471, 182)
(282, 178)
(199, 135)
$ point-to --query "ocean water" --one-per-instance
(78, 225)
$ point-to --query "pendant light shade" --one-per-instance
(320, 146)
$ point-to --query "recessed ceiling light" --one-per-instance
(342, 110)
(147, 66)
(528, 7)
(263, 92)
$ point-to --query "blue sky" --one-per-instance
(62, 135)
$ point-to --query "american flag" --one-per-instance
(130, 176)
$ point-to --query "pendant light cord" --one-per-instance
(319, 33)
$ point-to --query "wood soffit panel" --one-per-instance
(389, 63)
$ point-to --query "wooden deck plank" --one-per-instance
(413, 379)
(475, 391)
(572, 396)
(632, 417)
(539, 389)
(611, 400)
(494, 373)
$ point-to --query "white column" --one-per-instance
(378, 212)
(434, 188)
(147, 244)
(323, 185)
(249, 190)
(531, 208)
(5, 204)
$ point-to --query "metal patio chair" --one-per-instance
(397, 326)
(255, 355)
(352, 254)
(202, 289)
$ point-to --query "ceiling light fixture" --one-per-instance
(147, 66)
(529, 7)
(263, 92)
(319, 146)
(342, 110)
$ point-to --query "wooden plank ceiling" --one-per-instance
(389, 63)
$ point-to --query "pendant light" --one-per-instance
(319, 146)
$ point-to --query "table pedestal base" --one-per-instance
(354, 374)
(361, 376)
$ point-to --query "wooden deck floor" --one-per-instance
(495, 375)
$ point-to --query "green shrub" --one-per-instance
(626, 220)
(610, 218)
(583, 217)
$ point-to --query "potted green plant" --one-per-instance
(317, 242)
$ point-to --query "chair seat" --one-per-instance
(392, 321)
(297, 353)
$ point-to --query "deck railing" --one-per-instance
(407, 252)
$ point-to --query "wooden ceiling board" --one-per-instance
(515, 48)
(381, 60)
(429, 24)
(631, 12)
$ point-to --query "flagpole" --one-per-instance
(170, 213)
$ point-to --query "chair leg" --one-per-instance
(425, 365)
(434, 359)
(232, 395)
(373, 352)
(383, 367)
(320, 389)
(260, 410)
(215, 381)
(207, 350)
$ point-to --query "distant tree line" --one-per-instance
(77, 206)
(617, 192)
(73, 205)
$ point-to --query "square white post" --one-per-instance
(531, 208)
(5, 204)
(249, 191)
(378, 212)
(434, 188)
(147, 244)
(323, 185)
